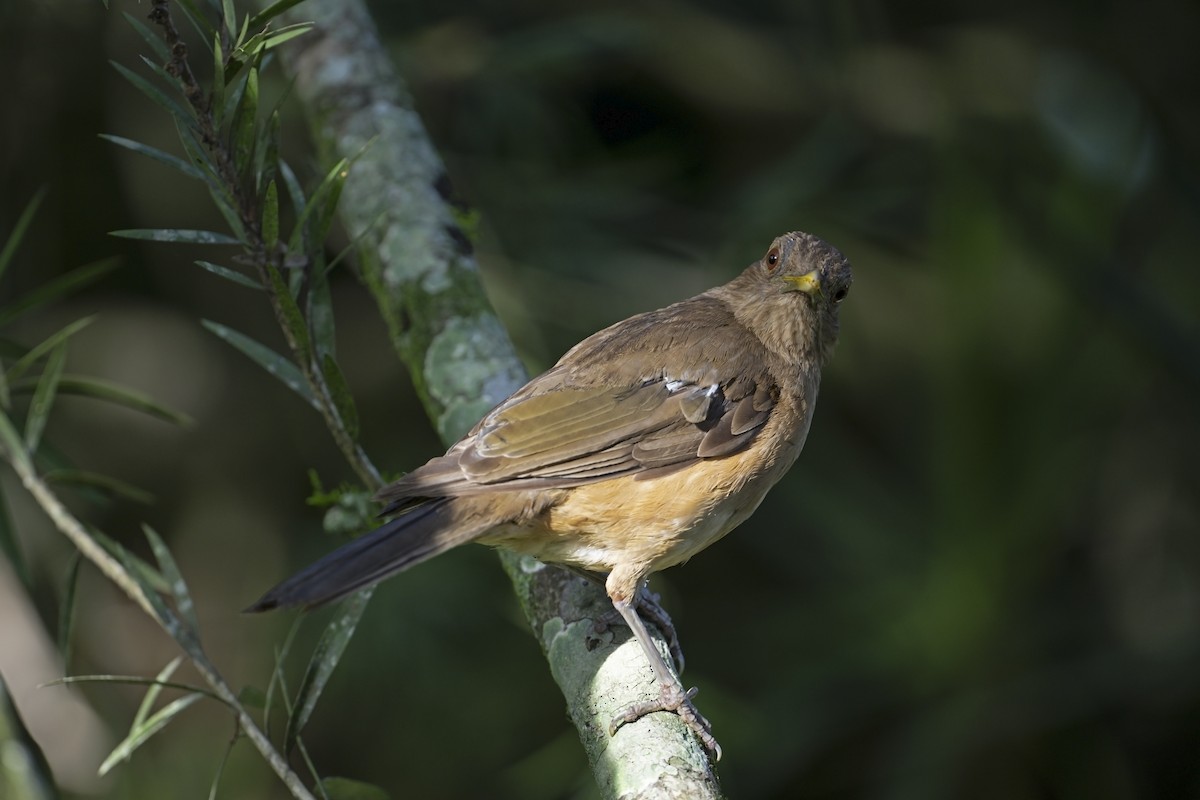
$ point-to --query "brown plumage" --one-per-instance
(644, 444)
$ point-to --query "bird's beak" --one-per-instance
(809, 283)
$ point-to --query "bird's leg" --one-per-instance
(648, 603)
(672, 696)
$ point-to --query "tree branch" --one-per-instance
(419, 266)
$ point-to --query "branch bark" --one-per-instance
(420, 268)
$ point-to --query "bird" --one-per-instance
(646, 443)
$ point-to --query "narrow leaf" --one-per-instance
(66, 611)
(97, 389)
(320, 311)
(105, 483)
(295, 192)
(266, 151)
(142, 734)
(43, 396)
(297, 329)
(175, 162)
(245, 125)
(229, 17)
(11, 442)
(18, 232)
(335, 175)
(324, 660)
(151, 38)
(147, 578)
(268, 359)
(161, 98)
(217, 99)
(153, 691)
(21, 365)
(175, 235)
(339, 392)
(286, 34)
(63, 284)
(230, 275)
(170, 571)
(198, 19)
(270, 12)
(135, 680)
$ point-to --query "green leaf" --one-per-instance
(245, 125)
(217, 98)
(63, 284)
(268, 359)
(335, 176)
(229, 17)
(198, 19)
(66, 611)
(104, 483)
(154, 690)
(290, 311)
(43, 396)
(18, 232)
(270, 221)
(97, 389)
(142, 733)
(12, 443)
(147, 578)
(151, 38)
(260, 19)
(347, 789)
(21, 365)
(252, 697)
(157, 95)
(324, 660)
(235, 84)
(175, 235)
(232, 275)
(266, 151)
(170, 571)
(175, 162)
(340, 394)
(295, 192)
(10, 548)
(320, 312)
(135, 680)
(285, 34)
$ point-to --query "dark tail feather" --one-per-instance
(409, 539)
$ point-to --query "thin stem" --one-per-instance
(112, 569)
(250, 215)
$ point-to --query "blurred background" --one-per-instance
(982, 578)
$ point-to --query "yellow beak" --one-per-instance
(809, 283)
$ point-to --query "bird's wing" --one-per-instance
(570, 436)
(574, 424)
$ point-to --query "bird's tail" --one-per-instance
(409, 539)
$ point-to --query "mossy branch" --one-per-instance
(420, 268)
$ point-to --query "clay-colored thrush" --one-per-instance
(645, 444)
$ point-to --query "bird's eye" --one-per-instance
(772, 259)
(840, 294)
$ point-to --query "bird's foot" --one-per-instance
(674, 699)
(650, 608)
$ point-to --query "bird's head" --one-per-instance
(790, 297)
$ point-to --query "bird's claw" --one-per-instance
(676, 701)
